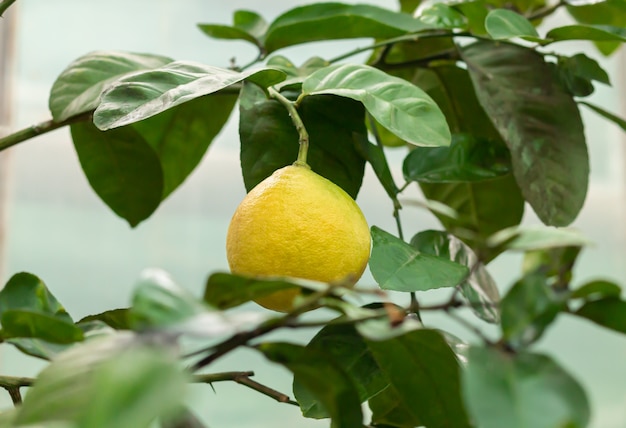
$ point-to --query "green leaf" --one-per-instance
(424, 384)
(528, 308)
(476, 13)
(375, 155)
(225, 291)
(556, 263)
(506, 24)
(596, 289)
(122, 168)
(38, 348)
(269, 140)
(119, 319)
(466, 159)
(440, 15)
(540, 123)
(609, 12)
(479, 289)
(521, 391)
(26, 291)
(396, 104)
(587, 32)
(323, 378)
(607, 115)
(531, 238)
(331, 21)
(396, 265)
(577, 73)
(146, 94)
(77, 89)
(247, 25)
(345, 346)
(609, 312)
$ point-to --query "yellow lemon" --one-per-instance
(297, 223)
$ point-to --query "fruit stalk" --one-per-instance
(303, 135)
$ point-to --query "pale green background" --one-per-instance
(58, 229)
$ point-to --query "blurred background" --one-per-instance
(53, 225)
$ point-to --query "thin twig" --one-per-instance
(303, 135)
(13, 384)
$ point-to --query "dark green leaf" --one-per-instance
(122, 168)
(521, 391)
(346, 347)
(587, 32)
(440, 15)
(540, 123)
(323, 378)
(26, 291)
(77, 89)
(609, 312)
(579, 71)
(375, 155)
(596, 289)
(396, 265)
(528, 308)
(396, 104)
(330, 21)
(506, 24)
(146, 94)
(225, 291)
(479, 289)
(475, 12)
(466, 159)
(423, 374)
(247, 25)
(116, 318)
(269, 140)
(607, 115)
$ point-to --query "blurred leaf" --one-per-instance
(506, 24)
(424, 385)
(348, 350)
(540, 123)
(396, 104)
(476, 13)
(596, 289)
(528, 390)
(577, 73)
(587, 32)
(409, 6)
(610, 116)
(225, 291)
(466, 159)
(77, 89)
(609, 12)
(323, 378)
(183, 418)
(556, 263)
(119, 319)
(479, 289)
(247, 25)
(530, 238)
(269, 139)
(122, 168)
(38, 348)
(528, 308)
(375, 155)
(146, 94)
(396, 265)
(332, 21)
(609, 312)
(440, 15)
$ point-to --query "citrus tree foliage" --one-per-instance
(490, 113)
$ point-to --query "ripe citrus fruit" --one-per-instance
(297, 223)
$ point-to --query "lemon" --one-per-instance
(297, 223)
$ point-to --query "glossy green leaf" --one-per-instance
(269, 139)
(225, 291)
(527, 309)
(119, 319)
(122, 168)
(146, 94)
(596, 289)
(77, 89)
(609, 312)
(348, 350)
(540, 124)
(506, 24)
(607, 115)
(396, 265)
(247, 25)
(479, 289)
(323, 378)
(331, 21)
(587, 32)
(531, 238)
(466, 159)
(424, 384)
(521, 391)
(440, 15)
(396, 104)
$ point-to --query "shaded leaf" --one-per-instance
(396, 104)
(375, 155)
(145, 94)
(322, 378)
(247, 25)
(440, 15)
(38, 348)
(398, 266)
(577, 73)
(77, 89)
(540, 123)
(607, 115)
(119, 319)
(596, 289)
(609, 12)
(555, 263)
(609, 312)
(269, 139)
(521, 391)
(506, 24)
(225, 291)
(475, 12)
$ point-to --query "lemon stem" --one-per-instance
(303, 135)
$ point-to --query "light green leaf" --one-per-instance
(142, 95)
(398, 266)
(77, 89)
(396, 104)
(506, 24)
